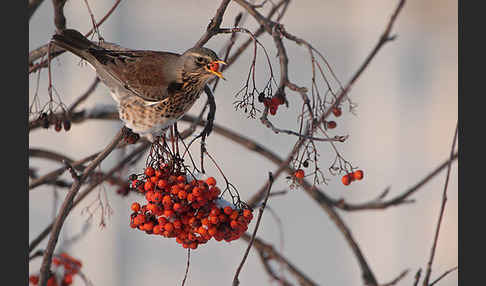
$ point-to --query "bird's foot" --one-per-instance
(129, 136)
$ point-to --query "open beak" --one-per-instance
(215, 69)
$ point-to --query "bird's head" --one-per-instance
(203, 63)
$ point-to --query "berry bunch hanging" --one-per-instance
(185, 208)
(350, 177)
(271, 102)
(64, 269)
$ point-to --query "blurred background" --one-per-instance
(403, 129)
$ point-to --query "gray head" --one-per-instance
(202, 62)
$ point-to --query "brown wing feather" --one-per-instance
(148, 74)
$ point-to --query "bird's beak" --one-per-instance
(215, 69)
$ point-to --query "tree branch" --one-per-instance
(33, 5)
(236, 282)
(441, 213)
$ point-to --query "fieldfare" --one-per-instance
(152, 89)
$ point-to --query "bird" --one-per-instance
(152, 89)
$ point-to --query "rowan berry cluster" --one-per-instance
(332, 124)
(350, 177)
(187, 209)
(70, 267)
(59, 123)
(272, 103)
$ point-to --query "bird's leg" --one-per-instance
(129, 136)
(172, 139)
(176, 133)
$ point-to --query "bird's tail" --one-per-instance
(75, 42)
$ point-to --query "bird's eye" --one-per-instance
(200, 60)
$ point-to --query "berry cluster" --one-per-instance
(59, 123)
(350, 177)
(332, 124)
(188, 210)
(70, 265)
(272, 103)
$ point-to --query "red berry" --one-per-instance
(358, 175)
(149, 171)
(161, 184)
(58, 126)
(215, 211)
(169, 226)
(247, 214)
(211, 181)
(135, 207)
(331, 124)
(34, 279)
(234, 224)
(148, 186)
(276, 101)
(346, 179)
(299, 174)
(228, 210)
(336, 111)
(273, 109)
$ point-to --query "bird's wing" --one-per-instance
(147, 74)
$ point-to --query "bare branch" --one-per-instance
(33, 5)
(441, 213)
(396, 280)
(252, 239)
(59, 19)
(268, 251)
(443, 275)
(213, 27)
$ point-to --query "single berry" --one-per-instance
(273, 109)
(211, 181)
(135, 207)
(228, 210)
(337, 111)
(299, 174)
(331, 124)
(346, 179)
(58, 126)
(67, 124)
(358, 175)
(261, 97)
(149, 171)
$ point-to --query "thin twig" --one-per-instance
(443, 275)
(260, 213)
(417, 277)
(187, 266)
(59, 19)
(441, 213)
(269, 251)
(396, 280)
(33, 5)
(214, 25)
